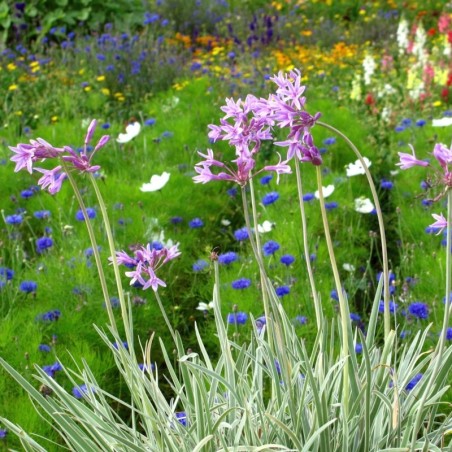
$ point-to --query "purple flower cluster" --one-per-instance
(249, 122)
(237, 318)
(39, 150)
(240, 284)
(418, 309)
(145, 262)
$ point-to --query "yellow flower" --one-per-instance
(437, 103)
(11, 67)
(217, 50)
(54, 118)
(101, 78)
(105, 91)
(18, 113)
(34, 64)
(87, 89)
(12, 87)
(35, 69)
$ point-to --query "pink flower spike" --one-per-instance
(442, 154)
(440, 223)
(408, 160)
(23, 157)
(102, 142)
(53, 179)
(90, 132)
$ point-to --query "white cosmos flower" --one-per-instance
(157, 182)
(204, 306)
(327, 191)
(353, 169)
(348, 268)
(160, 237)
(364, 205)
(443, 122)
(132, 130)
(266, 226)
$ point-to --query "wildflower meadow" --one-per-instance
(226, 225)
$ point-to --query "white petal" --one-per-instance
(157, 182)
(443, 122)
(364, 205)
(354, 169)
(348, 268)
(132, 130)
(327, 191)
(266, 226)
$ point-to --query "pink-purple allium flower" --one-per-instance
(145, 262)
(410, 160)
(39, 150)
(440, 223)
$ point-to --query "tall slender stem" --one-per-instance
(92, 237)
(384, 251)
(343, 306)
(168, 323)
(317, 305)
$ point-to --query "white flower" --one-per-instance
(402, 35)
(225, 222)
(204, 306)
(266, 226)
(369, 66)
(364, 205)
(160, 237)
(132, 130)
(327, 191)
(353, 169)
(443, 122)
(157, 182)
(348, 268)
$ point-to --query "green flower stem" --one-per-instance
(168, 323)
(438, 353)
(92, 237)
(317, 305)
(112, 247)
(343, 306)
(384, 251)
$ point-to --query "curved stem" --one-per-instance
(92, 237)
(168, 323)
(343, 306)
(111, 244)
(317, 305)
(384, 251)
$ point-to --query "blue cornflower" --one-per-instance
(444, 298)
(406, 122)
(287, 259)
(421, 122)
(167, 134)
(449, 334)
(355, 317)
(41, 214)
(392, 307)
(282, 291)
(143, 367)
(266, 179)
(156, 245)
(413, 382)
(105, 125)
(6, 273)
(176, 220)
(149, 122)
(50, 316)
(51, 369)
(25, 194)
(331, 205)
(43, 244)
(114, 302)
(270, 247)
(123, 343)
(358, 348)
(232, 192)
(404, 334)
(386, 184)
(300, 320)
(399, 129)
(44, 348)
(196, 223)
(427, 202)
(334, 295)
(89, 210)
(418, 309)
(270, 198)
(181, 416)
(228, 258)
(28, 286)
(308, 197)
(329, 141)
(3, 433)
(89, 251)
(241, 234)
(199, 265)
(238, 318)
(79, 391)
(241, 283)
(14, 219)
(425, 185)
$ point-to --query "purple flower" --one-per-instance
(237, 318)
(176, 220)
(386, 184)
(53, 179)
(3, 433)
(287, 259)
(6, 273)
(143, 367)
(265, 180)
(149, 122)
(181, 416)
(90, 212)
(331, 205)
(50, 316)
(28, 287)
(408, 160)
(196, 223)
(282, 291)
(80, 391)
(14, 219)
(199, 265)
(52, 369)
(355, 317)
(26, 194)
(270, 198)
(413, 382)
(227, 258)
(241, 283)
(41, 214)
(241, 234)
(270, 247)
(439, 224)
(43, 244)
(358, 348)
(300, 320)
(145, 262)
(392, 307)
(308, 197)
(123, 344)
(44, 348)
(419, 310)
(329, 141)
